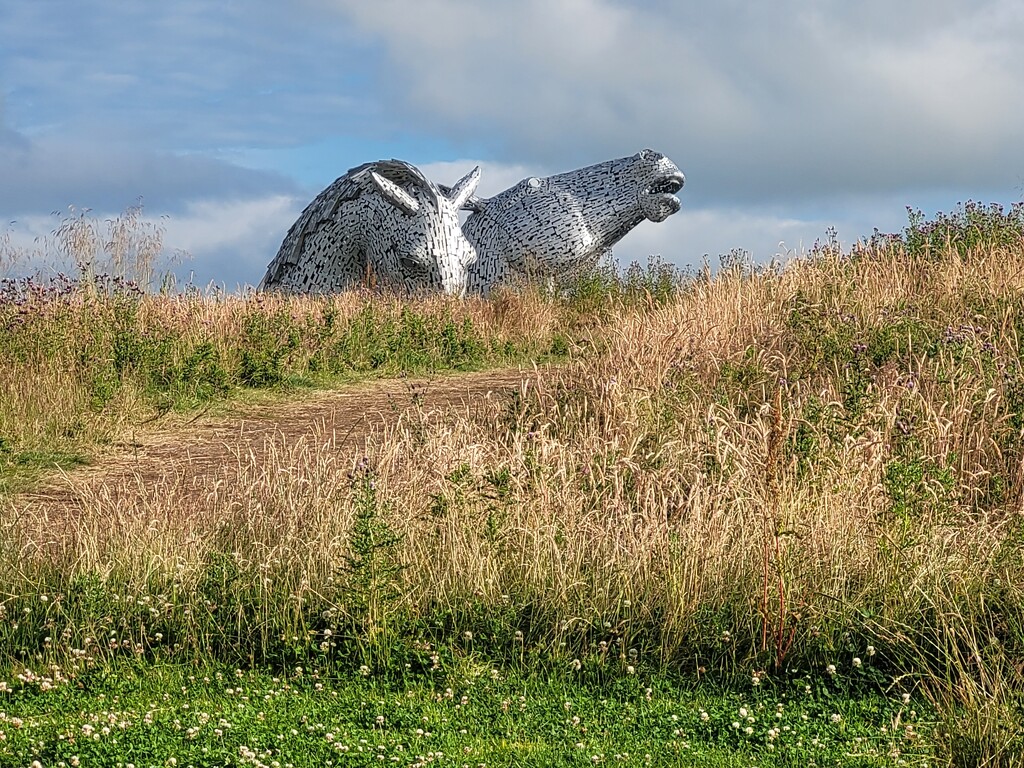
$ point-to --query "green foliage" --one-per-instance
(603, 287)
(970, 226)
(369, 601)
(917, 485)
(267, 339)
(304, 717)
(227, 610)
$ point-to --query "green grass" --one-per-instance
(731, 476)
(472, 714)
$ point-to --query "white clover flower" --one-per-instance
(748, 730)
(743, 712)
(871, 650)
(857, 662)
(831, 669)
(836, 718)
(630, 670)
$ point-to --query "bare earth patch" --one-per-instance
(202, 447)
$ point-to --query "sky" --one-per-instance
(788, 118)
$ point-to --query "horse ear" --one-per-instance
(395, 195)
(464, 188)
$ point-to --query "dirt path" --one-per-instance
(203, 445)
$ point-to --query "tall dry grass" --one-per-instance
(777, 469)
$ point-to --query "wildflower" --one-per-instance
(630, 670)
(836, 718)
(857, 662)
(906, 698)
(831, 669)
(871, 650)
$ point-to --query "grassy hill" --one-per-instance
(748, 477)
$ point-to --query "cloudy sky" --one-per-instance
(788, 117)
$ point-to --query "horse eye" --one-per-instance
(411, 263)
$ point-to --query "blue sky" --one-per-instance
(787, 118)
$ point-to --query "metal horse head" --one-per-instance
(424, 246)
(383, 221)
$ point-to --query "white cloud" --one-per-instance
(48, 173)
(761, 103)
(229, 242)
(494, 177)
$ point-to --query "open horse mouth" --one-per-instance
(668, 184)
(661, 201)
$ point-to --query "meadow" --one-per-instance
(763, 515)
